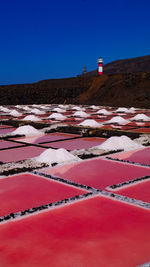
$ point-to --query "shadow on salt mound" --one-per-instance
(31, 118)
(59, 156)
(117, 119)
(57, 116)
(26, 130)
(140, 117)
(90, 123)
(119, 142)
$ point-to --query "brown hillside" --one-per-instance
(117, 89)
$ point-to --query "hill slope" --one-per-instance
(117, 89)
(138, 64)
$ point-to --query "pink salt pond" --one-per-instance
(20, 153)
(20, 192)
(93, 232)
(138, 190)
(8, 144)
(138, 156)
(98, 173)
(77, 143)
(142, 130)
(46, 138)
(6, 130)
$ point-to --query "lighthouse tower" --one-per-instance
(100, 66)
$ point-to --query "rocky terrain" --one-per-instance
(124, 83)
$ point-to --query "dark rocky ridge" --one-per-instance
(117, 89)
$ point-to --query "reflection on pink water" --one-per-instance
(140, 156)
(77, 143)
(98, 173)
(25, 191)
(45, 138)
(93, 232)
(22, 153)
(138, 191)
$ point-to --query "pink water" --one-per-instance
(8, 144)
(98, 173)
(46, 138)
(20, 192)
(138, 191)
(138, 156)
(22, 153)
(142, 130)
(7, 130)
(77, 143)
(95, 232)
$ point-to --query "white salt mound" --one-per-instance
(125, 110)
(31, 118)
(5, 110)
(94, 107)
(78, 108)
(57, 116)
(26, 108)
(80, 114)
(103, 112)
(60, 155)
(119, 142)
(90, 123)
(36, 111)
(26, 130)
(140, 117)
(118, 119)
(15, 113)
(60, 110)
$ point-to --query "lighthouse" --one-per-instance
(100, 66)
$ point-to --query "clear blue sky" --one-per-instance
(44, 39)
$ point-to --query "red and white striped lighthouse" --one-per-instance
(100, 66)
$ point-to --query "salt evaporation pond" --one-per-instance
(20, 192)
(138, 156)
(77, 143)
(138, 190)
(83, 233)
(64, 218)
(98, 173)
